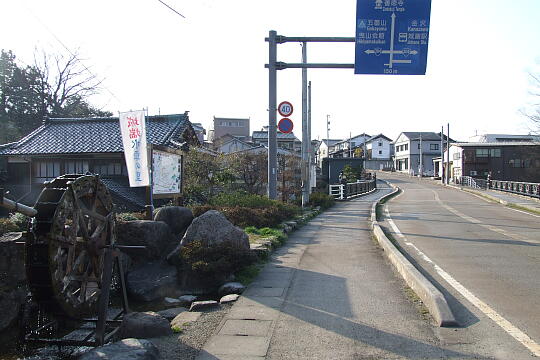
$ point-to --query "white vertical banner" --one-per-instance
(133, 129)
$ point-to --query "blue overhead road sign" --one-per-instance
(392, 36)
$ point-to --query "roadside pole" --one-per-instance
(272, 127)
(441, 170)
(305, 135)
(421, 158)
(328, 146)
(448, 155)
(311, 155)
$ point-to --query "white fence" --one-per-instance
(350, 190)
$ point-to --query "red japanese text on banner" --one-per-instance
(133, 129)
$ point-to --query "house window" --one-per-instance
(406, 147)
(76, 167)
(46, 170)
(473, 173)
(433, 146)
(457, 156)
(495, 152)
(380, 152)
(108, 169)
(516, 163)
(380, 144)
(418, 145)
(482, 152)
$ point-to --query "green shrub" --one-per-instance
(198, 210)
(130, 216)
(321, 199)
(6, 225)
(213, 264)
(240, 199)
(20, 220)
(251, 230)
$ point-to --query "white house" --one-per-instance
(379, 152)
(415, 151)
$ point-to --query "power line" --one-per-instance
(67, 49)
(172, 9)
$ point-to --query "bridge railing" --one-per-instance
(516, 187)
(351, 190)
(472, 182)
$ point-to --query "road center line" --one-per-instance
(506, 325)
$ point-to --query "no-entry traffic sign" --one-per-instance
(285, 125)
(285, 108)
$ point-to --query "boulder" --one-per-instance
(11, 299)
(211, 228)
(127, 349)
(12, 270)
(229, 298)
(152, 282)
(231, 288)
(13, 288)
(186, 300)
(203, 305)
(142, 325)
(177, 217)
(156, 236)
(170, 314)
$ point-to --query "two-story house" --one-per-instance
(287, 141)
(415, 151)
(379, 151)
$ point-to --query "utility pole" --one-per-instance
(441, 170)
(311, 155)
(328, 145)
(305, 135)
(421, 158)
(448, 155)
(272, 126)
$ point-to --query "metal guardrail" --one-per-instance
(351, 190)
(516, 187)
(472, 182)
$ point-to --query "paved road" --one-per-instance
(331, 294)
(483, 256)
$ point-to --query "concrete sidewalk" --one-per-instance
(328, 294)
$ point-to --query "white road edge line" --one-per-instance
(506, 325)
(480, 223)
(496, 202)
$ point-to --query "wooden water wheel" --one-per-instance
(66, 253)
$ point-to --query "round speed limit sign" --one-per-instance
(285, 108)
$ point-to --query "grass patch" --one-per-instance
(248, 274)
(523, 208)
(176, 329)
(411, 295)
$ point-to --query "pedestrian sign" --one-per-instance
(392, 36)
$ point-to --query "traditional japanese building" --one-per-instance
(79, 145)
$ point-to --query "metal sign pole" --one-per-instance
(272, 131)
(310, 145)
(305, 138)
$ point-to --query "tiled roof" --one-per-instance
(428, 136)
(95, 135)
(264, 135)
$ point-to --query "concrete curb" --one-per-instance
(424, 289)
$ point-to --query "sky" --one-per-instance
(211, 63)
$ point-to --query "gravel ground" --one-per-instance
(189, 342)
